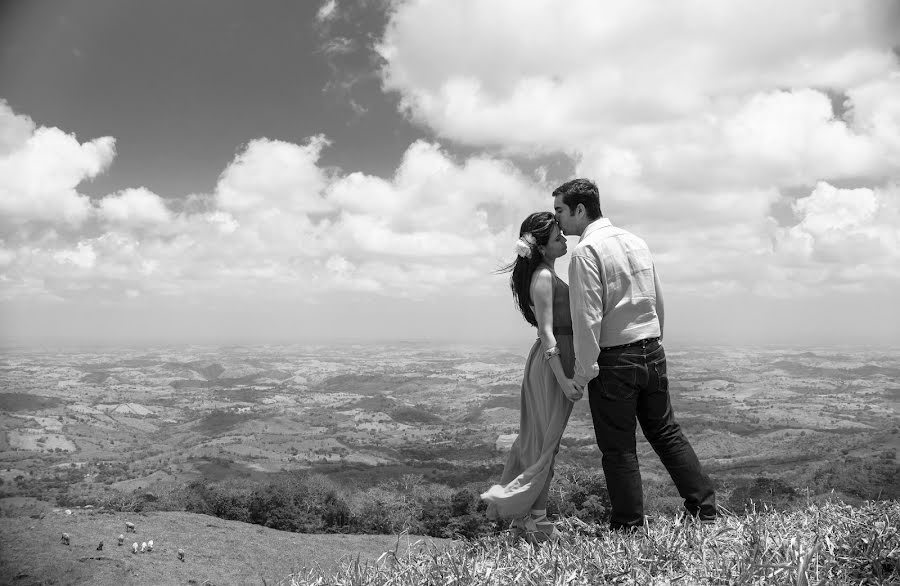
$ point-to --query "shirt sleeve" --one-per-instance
(586, 305)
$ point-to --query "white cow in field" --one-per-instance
(149, 546)
(134, 547)
(144, 547)
(64, 539)
(181, 554)
(121, 539)
(129, 527)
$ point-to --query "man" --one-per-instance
(617, 322)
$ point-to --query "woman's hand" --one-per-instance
(572, 391)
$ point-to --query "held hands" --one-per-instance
(572, 391)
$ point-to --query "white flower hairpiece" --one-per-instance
(525, 244)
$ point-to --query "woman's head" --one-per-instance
(540, 241)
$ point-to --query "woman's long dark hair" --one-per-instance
(540, 225)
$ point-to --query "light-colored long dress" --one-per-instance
(544, 414)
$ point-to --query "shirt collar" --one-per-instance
(594, 226)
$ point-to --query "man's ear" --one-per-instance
(580, 210)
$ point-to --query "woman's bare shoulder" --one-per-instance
(542, 280)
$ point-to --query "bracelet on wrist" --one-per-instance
(548, 354)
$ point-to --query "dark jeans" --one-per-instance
(632, 384)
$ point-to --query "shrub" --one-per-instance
(381, 510)
(580, 493)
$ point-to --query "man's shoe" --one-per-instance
(706, 517)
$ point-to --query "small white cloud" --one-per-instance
(15, 130)
(7, 257)
(328, 11)
(843, 236)
(338, 46)
(135, 207)
(829, 209)
(83, 256)
(274, 176)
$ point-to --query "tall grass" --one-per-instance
(825, 543)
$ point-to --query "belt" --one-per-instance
(642, 343)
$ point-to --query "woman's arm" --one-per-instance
(542, 296)
(660, 306)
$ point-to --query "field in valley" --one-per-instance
(79, 424)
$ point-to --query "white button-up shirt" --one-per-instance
(613, 294)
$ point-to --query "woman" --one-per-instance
(548, 390)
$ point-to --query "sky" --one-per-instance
(227, 172)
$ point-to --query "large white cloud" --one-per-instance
(699, 120)
(543, 74)
(40, 169)
(687, 94)
(279, 224)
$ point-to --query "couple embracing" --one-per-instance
(601, 334)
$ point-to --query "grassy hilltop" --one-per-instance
(827, 543)
(217, 551)
(821, 543)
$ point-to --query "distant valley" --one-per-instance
(79, 424)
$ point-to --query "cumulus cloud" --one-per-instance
(569, 72)
(699, 121)
(274, 176)
(40, 169)
(83, 256)
(280, 224)
(840, 229)
(135, 207)
(753, 154)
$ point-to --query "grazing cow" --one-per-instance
(149, 546)
(181, 554)
(134, 547)
(64, 539)
(121, 539)
(129, 527)
(144, 547)
(100, 547)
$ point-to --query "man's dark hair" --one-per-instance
(581, 191)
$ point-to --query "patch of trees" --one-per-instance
(507, 401)
(312, 503)
(219, 421)
(305, 502)
(414, 415)
(763, 493)
(25, 402)
(870, 478)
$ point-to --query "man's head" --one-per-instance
(577, 204)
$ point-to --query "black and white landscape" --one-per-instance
(77, 425)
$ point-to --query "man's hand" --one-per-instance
(572, 391)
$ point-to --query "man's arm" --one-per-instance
(586, 305)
